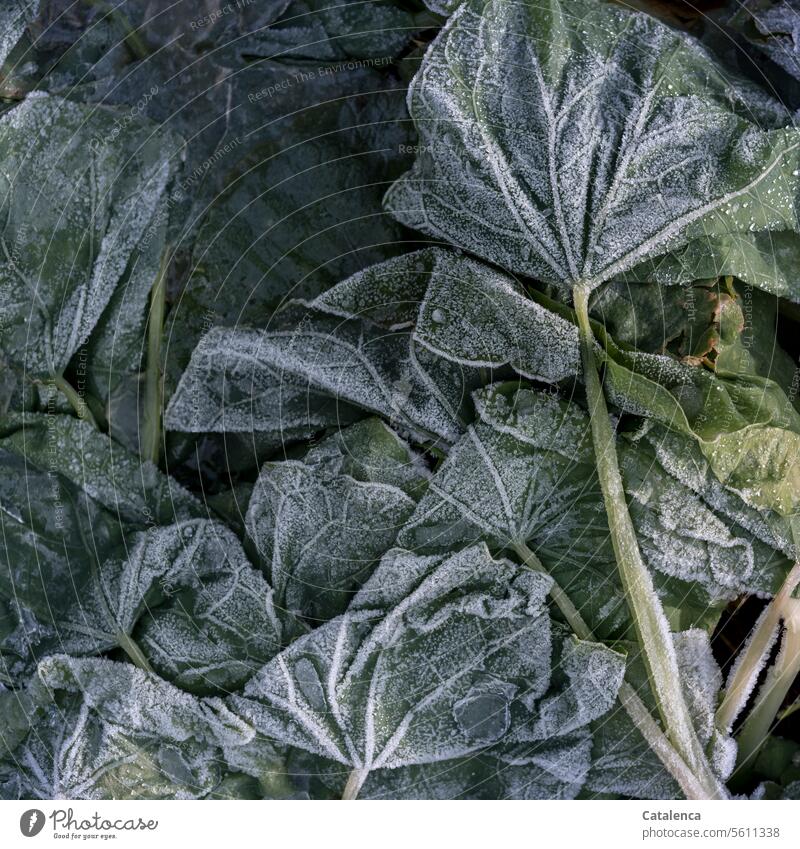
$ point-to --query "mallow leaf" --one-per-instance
(462, 310)
(134, 490)
(318, 530)
(572, 141)
(525, 473)
(352, 360)
(436, 658)
(69, 498)
(115, 732)
(766, 260)
(332, 30)
(554, 763)
(78, 196)
(622, 763)
(14, 18)
(198, 611)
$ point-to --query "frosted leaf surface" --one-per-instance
(329, 30)
(319, 531)
(436, 658)
(133, 489)
(354, 361)
(462, 310)
(14, 17)
(558, 149)
(525, 473)
(552, 762)
(231, 387)
(370, 452)
(69, 498)
(765, 260)
(206, 618)
(115, 732)
(75, 209)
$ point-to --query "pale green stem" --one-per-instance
(135, 654)
(776, 685)
(354, 782)
(75, 400)
(648, 615)
(751, 662)
(634, 706)
(151, 425)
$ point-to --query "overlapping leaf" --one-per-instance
(436, 657)
(322, 524)
(114, 732)
(525, 474)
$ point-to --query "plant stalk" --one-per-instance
(75, 400)
(780, 678)
(648, 615)
(751, 661)
(135, 654)
(355, 781)
(634, 706)
(151, 425)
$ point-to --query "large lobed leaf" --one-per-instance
(574, 141)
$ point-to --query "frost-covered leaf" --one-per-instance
(133, 489)
(766, 260)
(75, 209)
(436, 658)
(331, 30)
(319, 530)
(525, 473)
(206, 618)
(14, 18)
(114, 732)
(553, 766)
(558, 149)
(353, 361)
(68, 499)
(462, 310)
(370, 452)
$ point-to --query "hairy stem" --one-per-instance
(751, 661)
(75, 400)
(135, 654)
(354, 782)
(648, 615)
(151, 425)
(634, 706)
(776, 685)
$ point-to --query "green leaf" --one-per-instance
(331, 30)
(351, 360)
(75, 210)
(556, 149)
(525, 473)
(461, 310)
(134, 490)
(114, 732)
(353, 690)
(14, 18)
(320, 531)
(765, 260)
